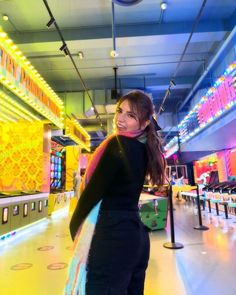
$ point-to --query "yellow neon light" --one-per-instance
(6, 117)
(9, 100)
(6, 111)
(2, 120)
(53, 111)
(73, 127)
(58, 122)
(8, 106)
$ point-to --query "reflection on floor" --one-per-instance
(36, 263)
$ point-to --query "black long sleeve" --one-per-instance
(103, 175)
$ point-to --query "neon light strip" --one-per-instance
(15, 233)
(9, 102)
(8, 118)
(171, 147)
(219, 99)
(20, 77)
(71, 126)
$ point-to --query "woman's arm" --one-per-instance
(105, 171)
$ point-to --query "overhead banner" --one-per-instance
(77, 133)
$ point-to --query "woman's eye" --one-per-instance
(132, 116)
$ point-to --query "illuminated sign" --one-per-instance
(171, 147)
(76, 132)
(218, 99)
(21, 78)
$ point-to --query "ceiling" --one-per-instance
(150, 43)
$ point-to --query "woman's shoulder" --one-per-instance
(122, 143)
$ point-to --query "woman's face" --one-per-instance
(127, 120)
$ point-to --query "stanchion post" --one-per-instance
(172, 244)
(200, 226)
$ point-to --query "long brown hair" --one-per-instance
(142, 105)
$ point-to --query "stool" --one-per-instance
(216, 202)
(209, 204)
(232, 205)
(225, 204)
(203, 199)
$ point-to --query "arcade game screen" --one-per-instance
(56, 163)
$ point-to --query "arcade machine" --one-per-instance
(56, 164)
(58, 196)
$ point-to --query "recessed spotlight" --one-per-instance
(163, 5)
(114, 53)
(81, 54)
(5, 17)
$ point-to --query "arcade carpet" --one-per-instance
(36, 262)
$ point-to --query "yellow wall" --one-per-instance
(21, 157)
(72, 163)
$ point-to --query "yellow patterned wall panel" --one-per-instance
(21, 156)
(72, 164)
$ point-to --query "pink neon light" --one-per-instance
(222, 96)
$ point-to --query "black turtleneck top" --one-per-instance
(117, 180)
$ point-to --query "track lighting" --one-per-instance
(63, 47)
(52, 21)
(163, 5)
(66, 52)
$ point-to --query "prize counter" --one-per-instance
(18, 209)
(59, 200)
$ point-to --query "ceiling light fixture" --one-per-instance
(52, 21)
(64, 48)
(66, 51)
(163, 5)
(5, 17)
(81, 54)
(114, 53)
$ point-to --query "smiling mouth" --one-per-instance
(120, 127)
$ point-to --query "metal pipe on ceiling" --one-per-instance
(113, 27)
(67, 52)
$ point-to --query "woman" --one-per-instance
(118, 249)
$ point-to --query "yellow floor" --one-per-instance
(36, 262)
